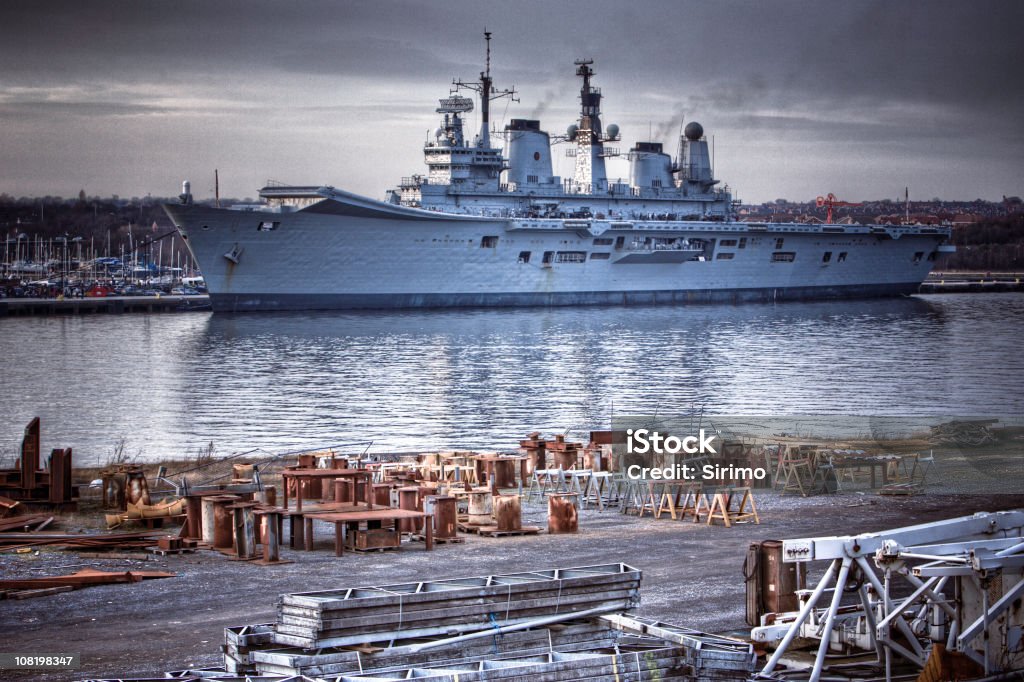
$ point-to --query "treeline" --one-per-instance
(89, 218)
(995, 244)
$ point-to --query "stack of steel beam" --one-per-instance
(424, 609)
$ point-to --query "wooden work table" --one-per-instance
(343, 520)
(301, 475)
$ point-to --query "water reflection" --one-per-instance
(484, 378)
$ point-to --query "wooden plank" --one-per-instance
(83, 578)
(40, 592)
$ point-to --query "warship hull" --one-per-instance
(348, 252)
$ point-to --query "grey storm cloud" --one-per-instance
(839, 71)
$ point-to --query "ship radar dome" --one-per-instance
(694, 131)
(572, 130)
(439, 132)
(613, 130)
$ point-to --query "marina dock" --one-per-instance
(100, 305)
(970, 282)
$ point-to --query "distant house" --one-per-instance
(965, 219)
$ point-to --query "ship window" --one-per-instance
(599, 255)
(267, 226)
(570, 256)
(619, 242)
(826, 257)
(933, 255)
(778, 243)
(548, 256)
(841, 257)
(727, 242)
(918, 256)
(524, 256)
(488, 242)
(725, 256)
(603, 241)
(783, 256)
(743, 242)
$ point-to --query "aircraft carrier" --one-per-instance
(490, 225)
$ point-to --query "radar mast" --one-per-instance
(487, 93)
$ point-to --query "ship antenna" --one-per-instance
(487, 93)
(487, 37)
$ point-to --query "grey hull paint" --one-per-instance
(263, 302)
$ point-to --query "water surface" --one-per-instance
(171, 383)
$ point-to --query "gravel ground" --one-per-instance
(691, 576)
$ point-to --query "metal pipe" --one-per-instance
(837, 596)
(869, 615)
(1010, 550)
(794, 627)
(933, 594)
(908, 601)
(490, 632)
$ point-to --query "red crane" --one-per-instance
(831, 201)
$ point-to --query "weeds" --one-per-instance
(204, 454)
(120, 454)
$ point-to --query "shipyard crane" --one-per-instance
(831, 202)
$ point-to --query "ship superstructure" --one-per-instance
(495, 226)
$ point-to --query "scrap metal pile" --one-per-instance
(550, 625)
(941, 596)
(31, 483)
(964, 433)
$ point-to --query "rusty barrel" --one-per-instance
(409, 498)
(382, 495)
(223, 521)
(206, 523)
(343, 488)
(445, 517)
(136, 488)
(562, 514)
(505, 473)
(266, 496)
(193, 516)
(536, 459)
(508, 512)
(565, 459)
(481, 508)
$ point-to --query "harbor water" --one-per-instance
(166, 385)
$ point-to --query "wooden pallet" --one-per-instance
(30, 594)
(464, 527)
(165, 552)
(493, 532)
(350, 548)
(417, 537)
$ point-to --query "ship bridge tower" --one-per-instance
(590, 175)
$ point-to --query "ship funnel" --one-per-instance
(186, 192)
(529, 153)
(649, 167)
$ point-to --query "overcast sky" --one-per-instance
(802, 98)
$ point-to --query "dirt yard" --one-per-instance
(691, 576)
